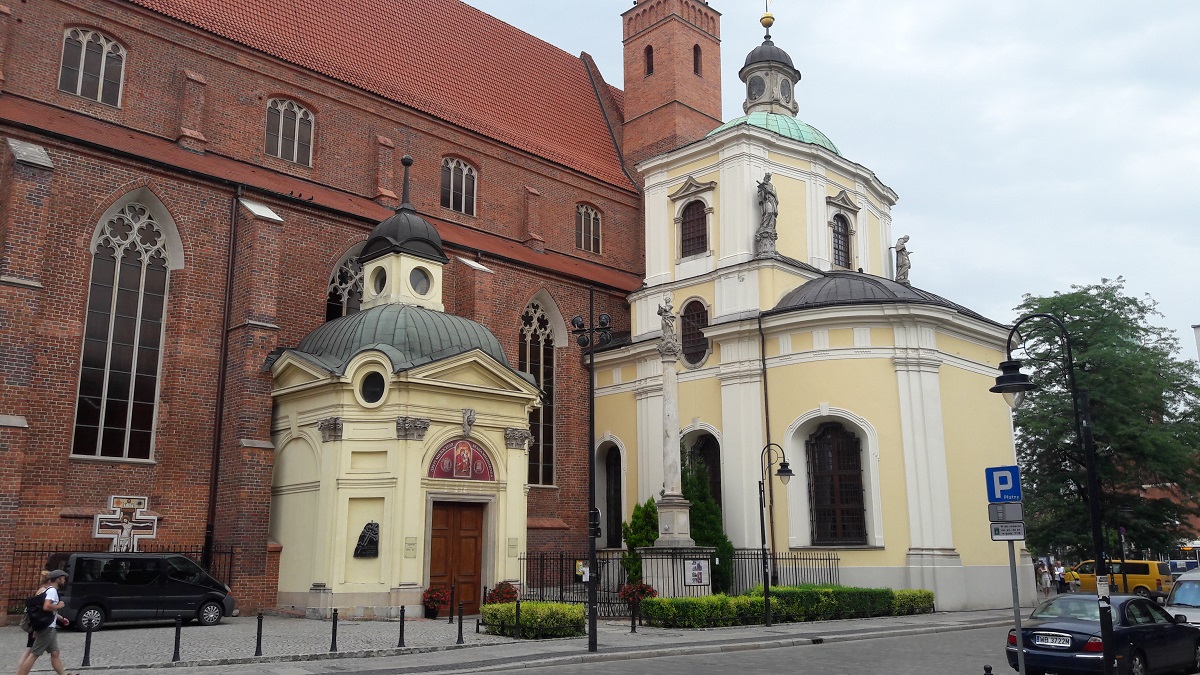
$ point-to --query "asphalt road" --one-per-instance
(954, 653)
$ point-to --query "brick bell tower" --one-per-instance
(672, 75)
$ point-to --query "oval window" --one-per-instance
(756, 87)
(378, 280)
(372, 387)
(419, 279)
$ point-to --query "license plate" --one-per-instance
(1052, 640)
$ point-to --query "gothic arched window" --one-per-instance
(694, 232)
(289, 131)
(841, 241)
(345, 286)
(587, 228)
(458, 186)
(835, 487)
(695, 319)
(118, 381)
(93, 66)
(537, 358)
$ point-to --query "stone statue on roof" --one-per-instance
(903, 264)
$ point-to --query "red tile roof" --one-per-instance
(442, 57)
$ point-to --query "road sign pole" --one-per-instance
(1012, 569)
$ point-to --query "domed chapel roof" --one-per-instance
(858, 288)
(784, 125)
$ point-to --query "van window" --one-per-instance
(1087, 568)
(87, 569)
(131, 571)
(1164, 569)
(183, 569)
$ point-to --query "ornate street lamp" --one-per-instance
(785, 474)
(592, 333)
(1014, 384)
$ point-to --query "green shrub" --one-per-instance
(819, 603)
(640, 531)
(702, 612)
(538, 619)
(912, 601)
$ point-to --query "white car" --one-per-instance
(1185, 597)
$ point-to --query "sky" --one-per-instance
(1034, 145)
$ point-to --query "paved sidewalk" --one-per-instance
(300, 646)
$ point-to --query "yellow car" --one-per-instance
(1147, 578)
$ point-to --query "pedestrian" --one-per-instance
(1044, 578)
(46, 639)
(1072, 580)
(1060, 577)
(42, 579)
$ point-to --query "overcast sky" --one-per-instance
(1034, 144)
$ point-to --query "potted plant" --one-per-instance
(434, 599)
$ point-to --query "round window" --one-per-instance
(372, 387)
(419, 279)
(756, 86)
(378, 280)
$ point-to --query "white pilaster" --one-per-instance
(649, 401)
(738, 212)
(741, 439)
(818, 219)
(661, 248)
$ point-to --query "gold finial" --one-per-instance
(767, 20)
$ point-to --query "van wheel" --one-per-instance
(90, 618)
(209, 614)
(1142, 591)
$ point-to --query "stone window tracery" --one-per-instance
(458, 186)
(289, 131)
(587, 228)
(537, 358)
(93, 66)
(345, 287)
(118, 382)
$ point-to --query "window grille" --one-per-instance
(695, 230)
(537, 358)
(118, 382)
(841, 241)
(93, 66)
(835, 487)
(587, 228)
(289, 131)
(695, 320)
(458, 186)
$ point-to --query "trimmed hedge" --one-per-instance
(788, 603)
(538, 619)
(912, 601)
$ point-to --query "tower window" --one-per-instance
(649, 60)
(696, 53)
(289, 131)
(92, 66)
(695, 320)
(841, 241)
(695, 230)
(458, 186)
(536, 354)
(587, 228)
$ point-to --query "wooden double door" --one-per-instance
(456, 552)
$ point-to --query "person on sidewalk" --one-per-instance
(1044, 578)
(1060, 577)
(46, 639)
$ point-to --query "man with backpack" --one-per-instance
(42, 609)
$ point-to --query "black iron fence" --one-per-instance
(558, 576)
(28, 563)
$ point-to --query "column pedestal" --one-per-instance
(674, 523)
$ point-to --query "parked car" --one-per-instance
(1063, 636)
(1147, 578)
(1185, 596)
(107, 587)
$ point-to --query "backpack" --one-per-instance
(39, 619)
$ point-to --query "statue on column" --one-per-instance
(670, 340)
(903, 264)
(768, 202)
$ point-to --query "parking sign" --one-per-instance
(1003, 484)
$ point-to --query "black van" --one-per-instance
(105, 587)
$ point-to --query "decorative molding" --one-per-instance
(331, 429)
(691, 188)
(843, 201)
(411, 428)
(517, 439)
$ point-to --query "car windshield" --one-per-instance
(1185, 593)
(1068, 607)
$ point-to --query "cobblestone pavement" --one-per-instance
(141, 644)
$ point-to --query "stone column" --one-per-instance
(674, 525)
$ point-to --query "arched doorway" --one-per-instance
(706, 449)
(611, 503)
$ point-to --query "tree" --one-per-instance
(1145, 406)
(705, 516)
(640, 531)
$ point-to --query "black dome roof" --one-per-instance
(404, 232)
(858, 288)
(767, 52)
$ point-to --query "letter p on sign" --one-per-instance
(1003, 484)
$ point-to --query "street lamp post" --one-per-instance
(785, 474)
(595, 332)
(1014, 384)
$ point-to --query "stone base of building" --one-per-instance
(319, 602)
(955, 587)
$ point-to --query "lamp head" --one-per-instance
(785, 472)
(1012, 383)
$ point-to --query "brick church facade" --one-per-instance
(184, 183)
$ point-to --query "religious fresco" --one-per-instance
(126, 524)
(462, 459)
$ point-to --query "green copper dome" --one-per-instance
(784, 125)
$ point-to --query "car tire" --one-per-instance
(1142, 591)
(209, 613)
(90, 618)
(1137, 664)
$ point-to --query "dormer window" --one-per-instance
(649, 60)
(458, 186)
(93, 66)
(289, 131)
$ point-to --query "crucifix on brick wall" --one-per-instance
(127, 523)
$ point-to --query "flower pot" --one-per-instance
(431, 612)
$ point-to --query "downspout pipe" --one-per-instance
(223, 364)
(762, 359)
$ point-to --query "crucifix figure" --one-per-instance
(126, 524)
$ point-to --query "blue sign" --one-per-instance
(1003, 484)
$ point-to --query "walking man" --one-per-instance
(46, 639)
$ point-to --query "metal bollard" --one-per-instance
(401, 642)
(461, 641)
(987, 670)
(633, 617)
(258, 640)
(517, 629)
(450, 619)
(333, 643)
(87, 649)
(178, 632)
